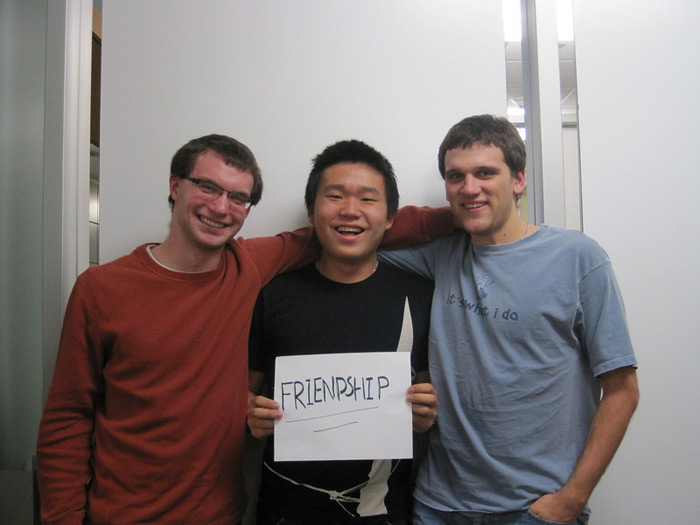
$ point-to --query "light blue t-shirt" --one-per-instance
(519, 332)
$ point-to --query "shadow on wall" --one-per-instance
(19, 497)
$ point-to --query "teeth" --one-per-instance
(211, 223)
(473, 206)
(348, 229)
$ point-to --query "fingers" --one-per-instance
(262, 414)
(262, 402)
(422, 394)
(424, 405)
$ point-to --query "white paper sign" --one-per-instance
(343, 406)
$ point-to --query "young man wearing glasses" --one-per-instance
(145, 419)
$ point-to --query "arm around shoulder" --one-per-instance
(282, 252)
(414, 225)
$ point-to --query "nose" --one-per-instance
(220, 204)
(350, 207)
(470, 186)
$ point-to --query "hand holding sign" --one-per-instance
(262, 413)
(343, 406)
(424, 405)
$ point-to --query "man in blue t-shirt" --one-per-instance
(527, 327)
(346, 302)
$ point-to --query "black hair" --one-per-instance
(352, 151)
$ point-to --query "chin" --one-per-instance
(474, 231)
(217, 244)
(469, 227)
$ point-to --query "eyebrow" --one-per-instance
(341, 187)
(483, 167)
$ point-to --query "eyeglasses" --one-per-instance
(214, 191)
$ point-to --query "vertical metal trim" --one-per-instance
(533, 142)
(543, 119)
(66, 164)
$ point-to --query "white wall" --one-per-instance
(287, 79)
(638, 72)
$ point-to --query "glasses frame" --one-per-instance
(213, 190)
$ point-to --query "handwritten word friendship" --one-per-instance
(317, 390)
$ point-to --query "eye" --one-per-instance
(455, 176)
(333, 196)
(209, 187)
(369, 199)
(485, 173)
(238, 198)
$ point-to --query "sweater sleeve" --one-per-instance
(64, 446)
(282, 252)
(289, 250)
(414, 225)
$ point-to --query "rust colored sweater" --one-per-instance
(145, 419)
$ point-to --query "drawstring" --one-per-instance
(334, 495)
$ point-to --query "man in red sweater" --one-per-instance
(144, 422)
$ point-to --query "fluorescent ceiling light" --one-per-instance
(512, 21)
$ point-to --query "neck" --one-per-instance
(186, 259)
(513, 231)
(346, 272)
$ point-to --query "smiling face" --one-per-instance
(200, 222)
(481, 191)
(350, 216)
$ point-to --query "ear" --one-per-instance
(519, 183)
(175, 183)
(310, 215)
(389, 223)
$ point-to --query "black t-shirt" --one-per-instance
(303, 313)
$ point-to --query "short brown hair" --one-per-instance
(487, 130)
(233, 152)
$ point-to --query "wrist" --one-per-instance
(573, 498)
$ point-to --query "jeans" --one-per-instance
(286, 521)
(424, 515)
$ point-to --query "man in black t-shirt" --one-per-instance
(346, 302)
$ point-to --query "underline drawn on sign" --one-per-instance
(333, 415)
(339, 426)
